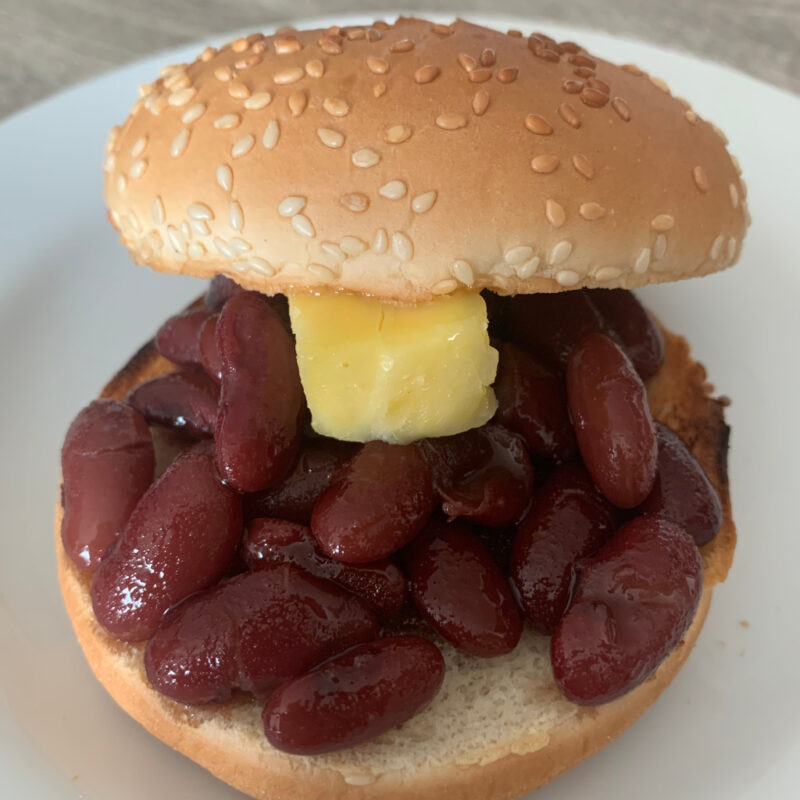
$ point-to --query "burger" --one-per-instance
(418, 500)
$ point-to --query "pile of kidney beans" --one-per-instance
(269, 560)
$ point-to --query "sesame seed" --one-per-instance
(225, 177)
(529, 268)
(110, 163)
(122, 183)
(463, 272)
(134, 222)
(700, 178)
(660, 83)
(423, 202)
(507, 75)
(663, 222)
(488, 57)
(567, 277)
(222, 247)
(596, 83)
(336, 107)
(243, 146)
(297, 102)
(402, 246)
(514, 32)
(357, 202)
(607, 273)
(734, 195)
(480, 102)
(138, 147)
(239, 245)
(397, 134)
(427, 74)
(441, 30)
(690, 116)
(249, 61)
(516, 255)
(334, 251)
(288, 75)
(379, 89)
(207, 54)
(193, 113)
(467, 62)
(330, 45)
(450, 121)
(240, 45)
(291, 205)
(170, 69)
(731, 248)
(352, 245)
(642, 261)
(401, 46)
(182, 96)
(380, 241)
(157, 211)
(356, 34)
(393, 190)
(260, 265)
(444, 287)
(365, 158)
(138, 167)
(321, 271)
(544, 164)
(200, 226)
(592, 211)
(271, 134)
(593, 98)
(330, 137)
(560, 252)
(583, 165)
(621, 107)
(227, 121)
(659, 247)
(572, 87)
(480, 75)
(580, 60)
(236, 216)
(377, 65)
(196, 250)
(286, 44)
(539, 125)
(179, 143)
(174, 237)
(315, 68)
(569, 115)
(555, 213)
(258, 100)
(238, 90)
(186, 230)
(716, 247)
(302, 225)
(199, 211)
(632, 69)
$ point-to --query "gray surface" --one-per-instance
(47, 45)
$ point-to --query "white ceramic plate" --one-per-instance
(72, 309)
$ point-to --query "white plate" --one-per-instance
(72, 308)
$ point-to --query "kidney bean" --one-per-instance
(376, 504)
(295, 496)
(107, 463)
(207, 345)
(354, 697)
(261, 409)
(633, 603)
(177, 338)
(569, 520)
(612, 420)
(532, 402)
(633, 326)
(380, 584)
(252, 632)
(179, 539)
(682, 492)
(186, 401)
(483, 475)
(460, 591)
(220, 289)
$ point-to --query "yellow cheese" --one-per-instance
(372, 370)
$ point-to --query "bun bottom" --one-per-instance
(498, 729)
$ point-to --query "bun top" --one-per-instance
(409, 160)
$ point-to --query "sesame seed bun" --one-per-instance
(498, 728)
(410, 160)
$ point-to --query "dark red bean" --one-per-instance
(179, 539)
(460, 591)
(380, 584)
(533, 403)
(483, 475)
(550, 325)
(682, 492)
(207, 345)
(612, 420)
(498, 541)
(252, 632)
(177, 338)
(261, 409)
(354, 697)
(220, 289)
(569, 520)
(186, 401)
(635, 329)
(376, 504)
(633, 603)
(107, 463)
(295, 496)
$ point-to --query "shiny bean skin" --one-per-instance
(633, 603)
(296, 495)
(107, 463)
(569, 520)
(533, 403)
(177, 338)
(186, 401)
(460, 591)
(633, 326)
(180, 539)
(354, 697)
(483, 475)
(612, 420)
(376, 504)
(380, 584)
(207, 345)
(252, 632)
(220, 289)
(682, 492)
(261, 411)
